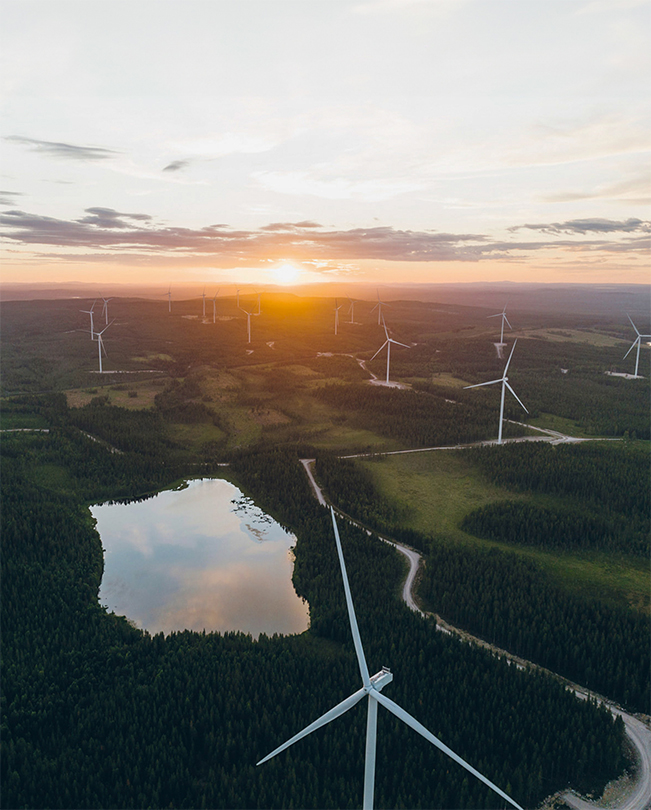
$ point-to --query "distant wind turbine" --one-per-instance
(637, 342)
(214, 307)
(337, 308)
(505, 384)
(238, 299)
(100, 345)
(105, 307)
(203, 295)
(379, 306)
(502, 315)
(259, 312)
(388, 343)
(169, 298)
(351, 309)
(248, 321)
(371, 689)
(90, 312)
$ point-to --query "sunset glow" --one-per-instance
(439, 141)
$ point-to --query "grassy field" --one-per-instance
(435, 490)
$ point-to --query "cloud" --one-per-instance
(590, 225)
(8, 197)
(110, 218)
(122, 233)
(632, 190)
(336, 188)
(176, 165)
(64, 150)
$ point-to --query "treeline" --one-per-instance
(509, 601)
(561, 528)
(603, 493)
(418, 419)
(506, 600)
(98, 714)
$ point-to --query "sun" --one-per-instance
(286, 273)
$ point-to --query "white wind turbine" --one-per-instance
(337, 308)
(90, 312)
(388, 343)
(169, 298)
(105, 308)
(505, 384)
(637, 342)
(502, 315)
(259, 312)
(214, 306)
(379, 306)
(351, 309)
(371, 689)
(100, 345)
(203, 295)
(248, 320)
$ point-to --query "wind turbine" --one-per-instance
(214, 306)
(502, 315)
(637, 342)
(379, 306)
(203, 295)
(351, 309)
(388, 343)
(371, 688)
(90, 312)
(337, 308)
(248, 320)
(505, 384)
(238, 299)
(105, 308)
(100, 345)
(169, 298)
(259, 312)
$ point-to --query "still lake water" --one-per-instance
(203, 557)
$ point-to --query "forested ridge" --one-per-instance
(98, 714)
(507, 600)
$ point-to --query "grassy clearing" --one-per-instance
(193, 437)
(447, 380)
(573, 336)
(435, 490)
(552, 422)
(121, 394)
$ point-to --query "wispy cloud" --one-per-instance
(109, 230)
(9, 197)
(176, 165)
(67, 151)
(590, 225)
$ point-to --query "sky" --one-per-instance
(279, 141)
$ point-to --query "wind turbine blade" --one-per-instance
(398, 343)
(401, 714)
(363, 669)
(514, 394)
(506, 367)
(386, 331)
(375, 307)
(478, 385)
(499, 315)
(338, 710)
(507, 321)
(633, 345)
(379, 350)
(632, 324)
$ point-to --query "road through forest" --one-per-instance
(628, 794)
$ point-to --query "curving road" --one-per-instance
(636, 793)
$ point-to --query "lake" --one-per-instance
(201, 557)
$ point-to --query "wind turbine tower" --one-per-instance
(502, 315)
(214, 307)
(388, 343)
(351, 309)
(105, 308)
(637, 342)
(372, 690)
(90, 312)
(379, 306)
(248, 322)
(100, 345)
(169, 298)
(203, 295)
(337, 308)
(505, 384)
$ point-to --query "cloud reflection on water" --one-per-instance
(203, 557)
